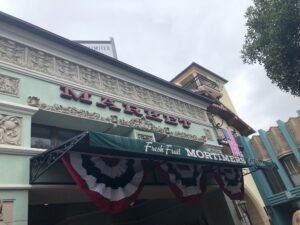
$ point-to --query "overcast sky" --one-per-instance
(164, 37)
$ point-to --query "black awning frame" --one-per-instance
(39, 164)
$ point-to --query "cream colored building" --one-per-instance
(223, 115)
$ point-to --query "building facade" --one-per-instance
(223, 115)
(278, 187)
(53, 90)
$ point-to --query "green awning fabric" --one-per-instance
(113, 145)
(107, 144)
(117, 145)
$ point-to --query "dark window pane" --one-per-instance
(43, 136)
(63, 135)
(274, 180)
(292, 167)
(40, 137)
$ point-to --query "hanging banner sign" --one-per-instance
(231, 142)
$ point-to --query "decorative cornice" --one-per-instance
(136, 123)
(57, 68)
(17, 108)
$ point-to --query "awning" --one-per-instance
(110, 168)
(113, 145)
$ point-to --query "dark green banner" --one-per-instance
(115, 145)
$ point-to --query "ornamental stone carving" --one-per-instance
(89, 77)
(10, 130)
(156, 99)
(145, 137)
(40, 61)
(126, 89)
(141, 94)
(63, 69)
(66, 70)
(137, 123)
(9, 85)
(141, 124)
(12, 52)
(109, 84)
(33, 101)
(72, 111)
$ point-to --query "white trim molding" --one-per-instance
(18, 108)
(15, 186)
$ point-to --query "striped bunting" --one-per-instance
(111, 183)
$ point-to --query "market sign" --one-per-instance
(86, 98)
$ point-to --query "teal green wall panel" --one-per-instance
(20, 205)
(284, 176)
(258, 176)
(14, 169)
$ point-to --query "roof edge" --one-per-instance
(85, 50)
(200, 67)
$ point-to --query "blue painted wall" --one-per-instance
(279, 203)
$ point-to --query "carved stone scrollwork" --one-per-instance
(10, 129)
(53, 66)
(109, 84)
(141, 94)
(40, 61)
(12, 52)
(33, 101)
(156, 99)
(9, 85)
(72, 111)
(142, 124)
(126, 89)
(89, 77)
(66, 70)
(137, 123)
(145, 137)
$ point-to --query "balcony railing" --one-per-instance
(202, 80)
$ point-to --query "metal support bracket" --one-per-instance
(41, 163)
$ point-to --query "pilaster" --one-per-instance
(15, 123)
(289, 139)
(284, 176)
(258, 176)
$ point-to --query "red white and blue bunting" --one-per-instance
(114, 183)
(111, 183)
(187, 181)
(231, 181)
